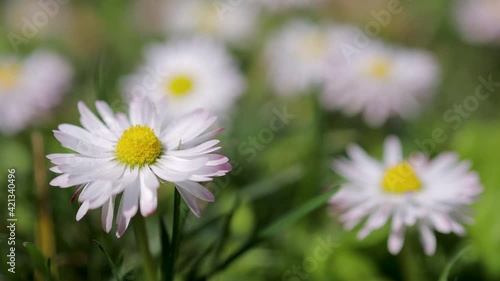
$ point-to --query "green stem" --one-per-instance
(141, 238)
(410, 262)
(175, 237)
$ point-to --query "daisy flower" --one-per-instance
(297, 55)
(131, 155)
(380, 82)
(232, 23)
(30, 87)
(283, 5)
(191, 73)
(479, 20)
(429, 194)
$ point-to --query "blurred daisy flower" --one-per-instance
(191, 73)
(30, 87)
(281, 5)
(297, 55)
(429, 194)
(230, 21)
(381, 81)
(479, 20)
(131, 155)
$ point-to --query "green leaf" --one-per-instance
(110, 262)
(225, 231)
(272, 229)
(296, 214)
(484, 153)
(446, 272)
(38, 259)
(271, 185)
(252, 192)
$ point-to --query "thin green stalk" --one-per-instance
(165, 249)
(410, 262)
(141, 238)
(175, 237)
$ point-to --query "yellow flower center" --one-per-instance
(401, 179)
(9, 75)
(380, 69)
(180, 85)
(138, 146)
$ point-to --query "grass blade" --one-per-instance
(42, 266)
(447, 269)
(296, 214)
(110, 262)
(272, 229)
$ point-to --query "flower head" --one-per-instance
(232, 23)
(381, 81)
(131, 155)
(284, 5)
(479, 20)
(30, 87)
(298, 54)
(429, 194)
(191, 73)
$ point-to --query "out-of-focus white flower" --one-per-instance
(29, 19)
(191, 73)
(479, 20)
(381, 81)
(231, 21)
(297, 56)
(429, 194)
(130, 155)
(30, 87)
(281, 5)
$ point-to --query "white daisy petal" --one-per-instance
(376, 220)
(130, 200)
(428, 239)
(197, 190)
(191, 201)
(109, 118)
(169, 175)
(149, 178)
(84, 208)
(81, 146)
(396, 240)
(148, 199)
(204, 148)
(123, 121)
(90, 122)
(201, 139)
(182, 165)
(61, 181)
(107, 214)
(392, 152)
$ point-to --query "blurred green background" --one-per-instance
(104, 41)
